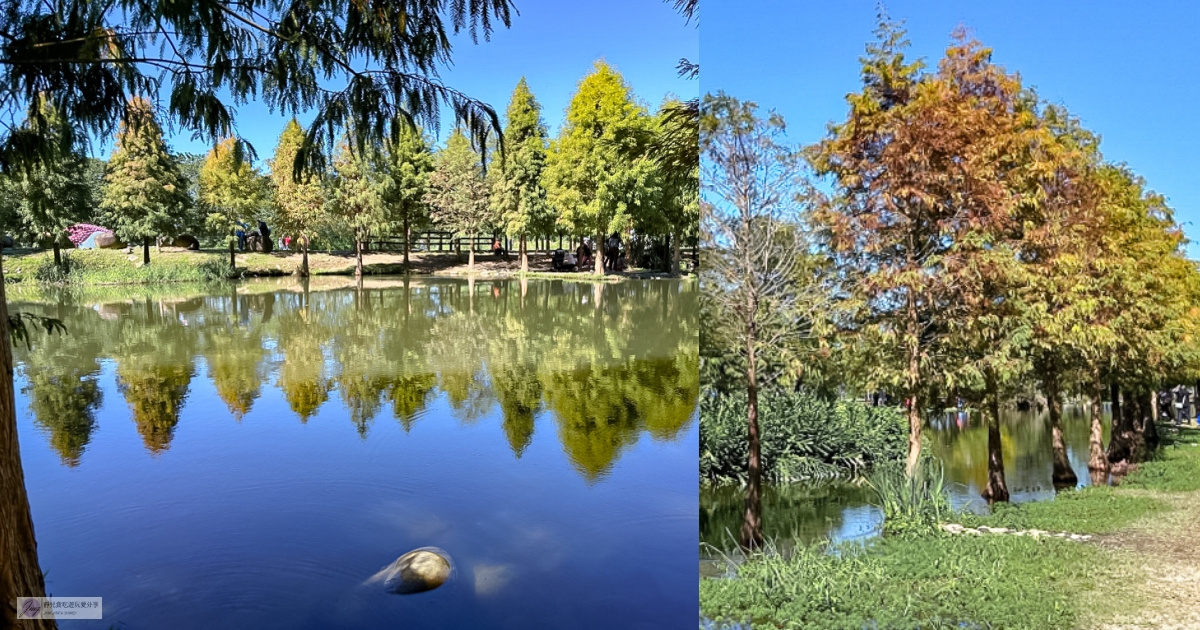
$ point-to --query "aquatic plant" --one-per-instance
(804, 437)
(911, 504)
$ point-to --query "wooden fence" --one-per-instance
(435, 241)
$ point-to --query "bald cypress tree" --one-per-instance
(50, 196)
(231, 190)
(357, 199)
(518, 198)
(299, 202)
(406, 164)
(458, 191)
(591, 180)
(145, 191)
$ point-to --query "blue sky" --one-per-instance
(553, 44)
(1128, 70)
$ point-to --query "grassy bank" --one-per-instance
(101, 267)
(108, 267)
(1129, 575)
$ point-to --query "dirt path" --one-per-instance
(1156, 580)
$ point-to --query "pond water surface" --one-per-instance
(839, 511)
(250, 456)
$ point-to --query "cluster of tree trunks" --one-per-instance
(1134, 435)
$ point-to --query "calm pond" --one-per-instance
(844, 511)
(251, 456)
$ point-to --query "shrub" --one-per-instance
(803, 437)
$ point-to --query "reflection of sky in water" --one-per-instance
(858, 522)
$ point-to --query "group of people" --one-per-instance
(257, 240)
(1176, 404)
(583, 256)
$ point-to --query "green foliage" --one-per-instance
(803, 437)
(458, 193)
(300, 204)
(589, 177)
(911, 504)
(145, 194)
(907, 582)
(357, 194)
(406, 164)
(229, 188)
(51, 195)
(518, 196)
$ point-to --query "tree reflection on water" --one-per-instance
(607, 363)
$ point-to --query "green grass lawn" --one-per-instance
(107, 266)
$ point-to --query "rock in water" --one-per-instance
(418, 571)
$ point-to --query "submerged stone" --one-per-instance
(418, 571)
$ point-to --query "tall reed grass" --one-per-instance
(911, 504)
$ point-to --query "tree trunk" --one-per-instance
(232, 257)
(675, 238)
(57, 254)
(524, 256)
(913, 378)
(303, 256)
(1114, 392)
(358, 254)
(1063, 475)
(407, 237)
(1126, 445)
(20, 573)
(471, 255)
(1149, 421)
(996, 489)
(146, 250)
(752, 536)
(599, 265)
(1097, 462)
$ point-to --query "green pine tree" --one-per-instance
(357, 198)
(405, 167)
(518, 197)
(458, 191)
(590, 178)
(299, 204)
(231, 191)
(145, 193)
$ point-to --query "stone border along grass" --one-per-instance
(955, 528)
